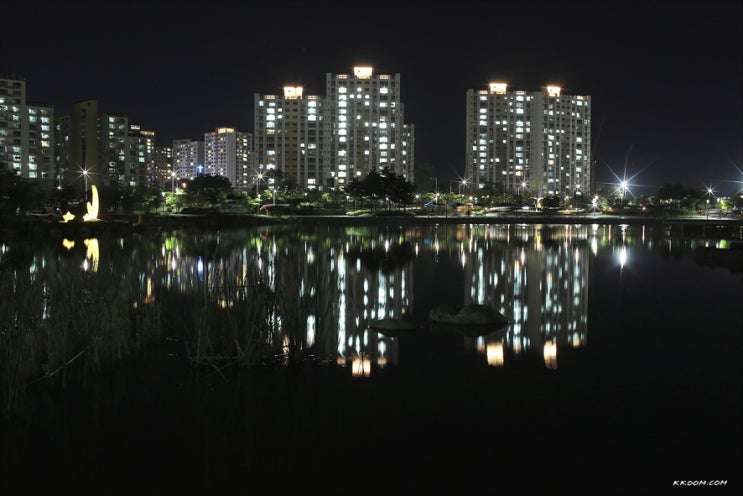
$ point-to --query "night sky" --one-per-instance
(665, 77)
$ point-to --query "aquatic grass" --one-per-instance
(67, 326)
(230, 325)
(250, 320)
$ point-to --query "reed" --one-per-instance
(67, 326)
(230, 324)
(249, 320)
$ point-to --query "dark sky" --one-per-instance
(665, 77)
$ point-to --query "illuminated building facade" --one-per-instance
(26, 135)
(366, 127)
(141, 165)
(325, 142)
(188, 159)
(228, 153)
(535, 142)
(288, 140)
(93, 142)
(164, 165)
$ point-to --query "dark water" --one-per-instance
(620, 369)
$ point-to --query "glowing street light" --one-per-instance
(710, 193)
(85, 180)
(521, 187)
(624, 187)
(463, 184)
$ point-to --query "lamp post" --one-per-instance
(709, 195)
(85, 182)
(521, 188)
(258, 179)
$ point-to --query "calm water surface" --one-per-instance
(620, 366)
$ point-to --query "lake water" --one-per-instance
(620, 366)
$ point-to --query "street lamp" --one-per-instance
(85, 182)
(623, 186)
(521, 187)
(709, 195)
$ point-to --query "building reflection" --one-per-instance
(537, 276)
(331, 283)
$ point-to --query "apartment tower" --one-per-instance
(26, 134)
(365, 126)
(92, 147)
(141, 165)
(188, 160)
(228, 153)
(529, 142)
(289, 140)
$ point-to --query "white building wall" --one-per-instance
(529, 141)
(365, 125)
(289, 139)
(188, 159)
(26, 134)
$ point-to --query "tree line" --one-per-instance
(381, 188)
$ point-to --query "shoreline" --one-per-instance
(35, 227)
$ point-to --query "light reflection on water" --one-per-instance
(608, 366)
(339, 280)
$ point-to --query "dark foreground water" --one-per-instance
(619, 372)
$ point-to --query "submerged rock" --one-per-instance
(393, 327)
(469, 315)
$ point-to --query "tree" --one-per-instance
(382, 184)
(207, 190)
(355, 189)
(397, 188)
(18, 194)
(670, 191)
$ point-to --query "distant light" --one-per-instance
(293, 92)
(362, 72)
(553, 90)
(498, 88)
(223, 130)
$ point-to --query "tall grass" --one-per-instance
(250, 320)
(67, 326)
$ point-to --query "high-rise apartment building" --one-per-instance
(92, 147)
(141, 160)
(188, 160)
(164, 176)
(228, 153)
(288, 133)
(529, 141)
(325, 142)
(26, 134)
(365, 126)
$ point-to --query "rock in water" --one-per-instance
(473, 314)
